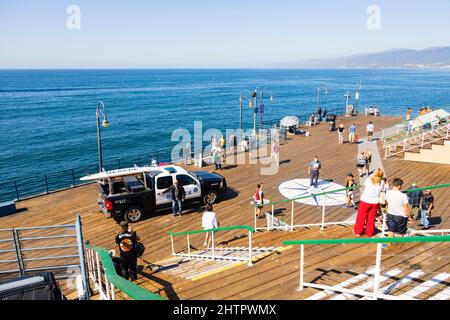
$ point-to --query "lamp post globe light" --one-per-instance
(253, 104)
(100, 111)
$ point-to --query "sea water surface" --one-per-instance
(47, 117)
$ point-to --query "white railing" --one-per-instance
(421, 140)
(212, 252)
(274, 223)
(97, 275)
(375, 292)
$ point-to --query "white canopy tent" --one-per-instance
(432, 116)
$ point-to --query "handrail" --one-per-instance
(375, 294)
(368, 240)
(310, 196)
(130, 289)
(211, 230)
(414, 133)
(446, 185)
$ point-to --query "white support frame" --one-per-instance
(98, 276)
(323, 224)
(213, 255)
(376, 284)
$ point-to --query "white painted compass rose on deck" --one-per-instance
(300, 187)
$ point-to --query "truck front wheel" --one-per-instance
(210, 197)
(134, 214)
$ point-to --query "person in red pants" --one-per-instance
(368, 205)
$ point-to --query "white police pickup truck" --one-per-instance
(128, 194)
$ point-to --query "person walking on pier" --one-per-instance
(350, 191)
(314, 170)
(341, 130)
(351, 133)
(222, 144)
(399, 211)
(368, 205)
(127, 241)
(408, 114)
(275, 153)
(370, 129)
(258, 199)
(209, 221)
(426, 205)
(217, 157)
(232, 142)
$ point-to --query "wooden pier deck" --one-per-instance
(275, 276)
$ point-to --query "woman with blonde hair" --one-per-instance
(368, 205)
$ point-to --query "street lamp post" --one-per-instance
(100, 111)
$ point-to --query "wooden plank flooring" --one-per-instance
(276, 276)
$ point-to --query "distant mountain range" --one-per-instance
(431, 58)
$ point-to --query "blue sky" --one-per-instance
(210, 33)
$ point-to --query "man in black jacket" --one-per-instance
(414, 199)
(178, 196)
(127, 241)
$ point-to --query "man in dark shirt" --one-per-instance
(178, 196)
(414, 200)
(426, 205)
(127, 241)
(314, 169)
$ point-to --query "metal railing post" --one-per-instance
(323, 211)
(213, 248)
(17, 190)
(189, 246)
(73, 178)
(171, 242)
(302, 260)
(18, 252)
(254, 216)
(250, 249)
(273, 214)
(292, 217)
(46, 184)
(108, 294)
(80, 243)
(99, 276)
(376, 280)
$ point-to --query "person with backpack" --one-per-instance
(361, 164)
(258, 199)
(128, 242)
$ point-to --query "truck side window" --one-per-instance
(164, 182)
(185, 180)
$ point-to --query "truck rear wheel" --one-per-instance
(134, 214)
(210, 197)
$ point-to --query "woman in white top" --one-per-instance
(209, 221)
(275, 152)
(368, 205)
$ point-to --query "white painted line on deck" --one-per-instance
(356, 279)
(425, 286)
(369, 284)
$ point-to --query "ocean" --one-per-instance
(47, 117)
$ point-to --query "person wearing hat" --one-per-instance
(127, 241)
